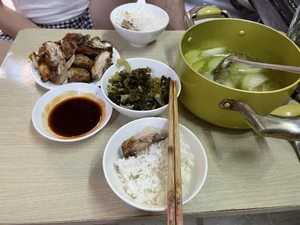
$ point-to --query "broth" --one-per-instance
(235, 75)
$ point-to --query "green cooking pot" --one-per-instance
(204, 97)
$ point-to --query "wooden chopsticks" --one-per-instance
(174, 203)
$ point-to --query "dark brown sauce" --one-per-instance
(75, 116)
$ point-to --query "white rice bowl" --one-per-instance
(141, 18)
(150, 20)
(141, 181)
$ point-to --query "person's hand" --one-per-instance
(12, 22)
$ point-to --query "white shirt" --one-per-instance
(50, 11)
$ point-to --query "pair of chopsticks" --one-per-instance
(174, 201)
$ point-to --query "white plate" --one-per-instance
(49, 85)
(40, 114)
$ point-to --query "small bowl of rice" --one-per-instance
(141, 181)
(139, 23)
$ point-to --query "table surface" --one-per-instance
(43, 181)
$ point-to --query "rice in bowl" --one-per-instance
(140, 18)
(144, 177)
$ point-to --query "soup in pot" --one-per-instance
(235, 75)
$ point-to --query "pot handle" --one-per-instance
(296, 94)
(283, 122)
(202, 12)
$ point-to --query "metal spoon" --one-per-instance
(232, 58)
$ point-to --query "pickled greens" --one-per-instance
(138, 90)
(235, 75)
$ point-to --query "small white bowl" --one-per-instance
(143, 37)
(158, 70)
(112, 153)
(53, 97)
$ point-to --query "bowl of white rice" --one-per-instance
(141, 181)
(139, 23)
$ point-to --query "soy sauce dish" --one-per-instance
(71, 112)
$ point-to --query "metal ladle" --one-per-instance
(283, 122)
(232, 58)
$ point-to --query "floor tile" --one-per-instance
(281, 218)
(285, 218)
(238, 220)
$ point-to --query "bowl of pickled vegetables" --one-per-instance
(139, 87)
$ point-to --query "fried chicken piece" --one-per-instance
(34, 58)
(90, 52)
(83, 61)
(96, 42)
(102, 62)
(94, 47)
(55, 60)
(79, 75)
(71, 42)
(44, 71)
(139, 143)
(128, 25)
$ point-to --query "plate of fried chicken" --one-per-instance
(74, 58)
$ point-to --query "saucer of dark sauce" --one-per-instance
(71, 112)
(75, 116)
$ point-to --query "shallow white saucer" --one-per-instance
(49, 100)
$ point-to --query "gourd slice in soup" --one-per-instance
(212, 63)
(199, 64)
(230, 81)
(269, 85)
(192, 55)
(196, 54)
(214, 51)
(208, 76)
(251, 82)
(243, 68)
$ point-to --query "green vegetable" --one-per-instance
(213, 52)
(230, 82)
(235, 75)
(199, 64)
(192, 56)
(243, 68)
(138, 90)
(250, 82)
(123, 62)
(268, 85)
(212, 63)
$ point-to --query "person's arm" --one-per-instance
(100, 12)
(176, 11)
(12, 22)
